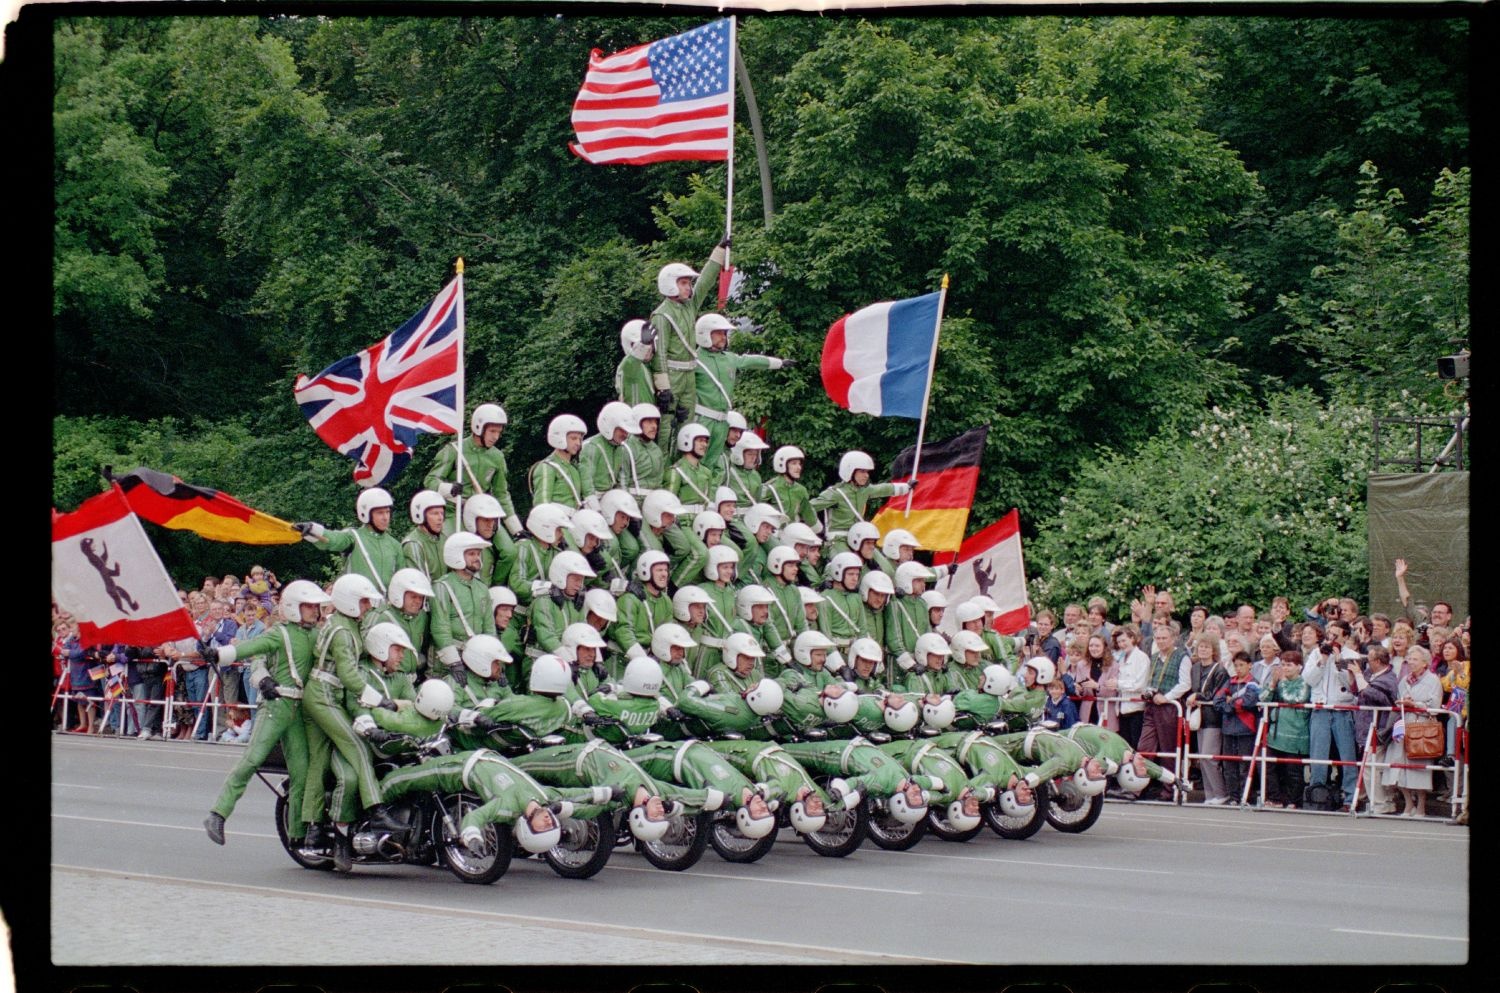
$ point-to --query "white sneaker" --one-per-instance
(1217, 801)
(144, 734)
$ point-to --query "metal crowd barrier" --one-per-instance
(209, 707)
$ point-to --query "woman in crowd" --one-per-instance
(1417, 690)
(1134, 673)
(1286, 735)
(1213, 675)
(1099, 679)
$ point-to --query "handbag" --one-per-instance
(1195, 717)
(1424, 739)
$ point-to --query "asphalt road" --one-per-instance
(1218, 886)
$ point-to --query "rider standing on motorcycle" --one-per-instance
(287, 651)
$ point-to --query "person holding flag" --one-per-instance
(675, 319)
(844, 503)
(369, 550)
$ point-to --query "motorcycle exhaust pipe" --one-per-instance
(389, 849)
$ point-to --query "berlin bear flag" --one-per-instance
(990, 564)
(106, 574)
(876, 360)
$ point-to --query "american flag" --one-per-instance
(667, 99)
(371, 405)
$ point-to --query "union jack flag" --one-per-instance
(371, 405)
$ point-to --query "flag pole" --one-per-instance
(937, 329)
(729, 191)
(458, 499)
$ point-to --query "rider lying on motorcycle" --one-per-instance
(1132, 770)
(952, 790)
(988, 765)
(1047, 755)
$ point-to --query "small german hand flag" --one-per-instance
(166, 500)
(949, 475)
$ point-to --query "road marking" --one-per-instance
(1401, 934)
(528, 920)
(1286, 837)
(1050, 865)
(170, 827)
(184, 768)
(78, 786)
(688, 874)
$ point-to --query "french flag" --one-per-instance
(876, 360)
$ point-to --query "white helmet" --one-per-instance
(853, 461)
(968, 641)
(875, 581)
(803, 822)
(298, 592)
(685, 597)
(749, 442)
(642, 677)
(785, 454)
(405, 581)
(502, 596)
(643, 827)
(350, 590)
(537, 842)
(600, 602)
(903, 718)
(1086, 784)
(988, 603)
(739, 643)
(840, 709)
(1045, 670)
(645, 412)
(648, 560)
(747, 598)
(736, 421)
(589, 522)
(486, 414)
(867, 648)
(998, 680)
(797, 533)
(939, 715)
(481, 652)
(549, 675)
(765, 697)
(667, 636)
(434, 699)
(1011, 806)
(842, 563)
(421, 502)
(931, 643)
(895, 540)
(861, 532)
(380, 638)
(546, 520)
(1128, 780)
(968, 611)
(659, 502)
(754, 827)
(808, 642)
(616, 414)
(778, 557)
(707, 325)
(762, 513)
(581, 634)
(810, 595)
(669, 274)
(717, 556)
(688, 433)
(935, 598)
(724, 495)
(561, 426)
(960, 821)
(905, 812)
(481, 505)
(371, 499)
(706, 521)
(459, 543)
(618, 502)
(633, 339)
(908, 572)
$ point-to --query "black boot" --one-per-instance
(214, 825)
(313, 844)
(382, 818)
(343, 853)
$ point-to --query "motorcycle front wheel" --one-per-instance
(842, 831)
(1073, 813)
(585, 847)
(733, 846)
(1017, 828)
(682, 846)
(937, 823)
(481, 870)
(893, 835)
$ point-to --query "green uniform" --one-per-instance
(790, 498)
(599, 465)
(845, 504)
(724, 679)
(687, 553)
(746, 483)
(842, 617)
(1002, 648)
(693, 764)
(533, 563)
(906, 621)
(376, 555)
(597, 763)
(336, 669)
(1103, 744)
(752, 553)
(644, 467)
(965, 678)
(556, 479)
(1044, 753)
(633, 381)
(926, 757)
(718, 713)
(1018, 708)
(405, 720)
(503, 788)
(472, 691)
(550, 616)
(415, 626)
(795, 676)
(787, 615)
(986, 761)
(926, 681)
(767, 762)
(692, 481)
(865, 767)
(285, 652)
(485, 471)
(460, 610)
(714, 381)
(423, 550)
(675, 364)
(612, 560)
(641, 612)
(719, 623)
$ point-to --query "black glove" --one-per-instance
(593, 720)
(913, 483)
(616, 793)
(502, 682)
(595, 559)
(486, 725)
(304, 528)
(522, 534)
(267, 688)
(452, 490)
(209, 653)
(634, 527)
(380, 736)
(788, 363)
(600, 673)
(386, 703)
(673, 714)
(665, 400)
(727, 242)
(683, 414)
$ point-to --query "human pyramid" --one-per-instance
(699, 640)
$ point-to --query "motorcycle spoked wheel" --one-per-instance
(585, 847)
(937, 823)
(323, 863)
(733, 846)
(1018, 828)
(1071, 812)
(481, 870)
(891, 834)
(682, 846)
(842, 831)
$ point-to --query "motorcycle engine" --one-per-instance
(378, 843)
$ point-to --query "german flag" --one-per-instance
(166, 500)
(948, 476)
